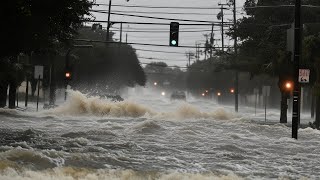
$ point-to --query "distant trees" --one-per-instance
(168, 77)
(105, 67)
(44, 30)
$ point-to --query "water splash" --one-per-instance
(79, 104)
(69, 173)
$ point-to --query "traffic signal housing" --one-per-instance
(286, 86)
(174, 34)
(68, 75)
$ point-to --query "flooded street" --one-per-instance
(149, 137)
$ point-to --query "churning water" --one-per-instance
(150, 137)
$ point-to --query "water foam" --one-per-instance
(69, 173)
(80, 104)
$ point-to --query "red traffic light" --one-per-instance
(288, 85)
(68, 75)
(232, 90)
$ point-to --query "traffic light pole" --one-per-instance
(297, 56)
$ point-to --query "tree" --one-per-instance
(263, 37)
(311, 51)
(33, 26)
(110, 68)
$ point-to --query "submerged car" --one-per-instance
(178, 95)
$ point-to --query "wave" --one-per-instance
(20, 158)
(70, 173)
(79, 104)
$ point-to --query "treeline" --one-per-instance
(43, 33)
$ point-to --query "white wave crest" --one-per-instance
(69, 173)
(80, 105)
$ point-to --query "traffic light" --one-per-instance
(174, 34)
(286, 86)
(68, 75)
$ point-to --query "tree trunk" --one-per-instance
(12, 95)
(284, 108)
(3, 94)
(317, 121)
(53, 87)
(34, 83)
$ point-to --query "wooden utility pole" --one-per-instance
(296, 62)
(222, 25)
(211, 41)
(236, 84)
(121, 32)
(108, 26)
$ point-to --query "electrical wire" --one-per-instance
(141, 44)
(158, 7)
(153, 17)
(158, 12)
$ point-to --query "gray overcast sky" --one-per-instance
(185, 38)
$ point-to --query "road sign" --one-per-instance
(38, 72)
(304, 75)
(266, 90)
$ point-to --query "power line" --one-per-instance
(152, 17)
(141, 44)
(209, 8)
(161, 31)
(155, 23)
(153, 58)
(164, 29)
(278, 6)
(162, 12)
(148, 50)
(159, 7)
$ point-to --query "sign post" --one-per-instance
(266, 93)
(256, 92)
(38, 74)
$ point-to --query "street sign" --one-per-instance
(266, 90)
(38, 71)
(304, 75)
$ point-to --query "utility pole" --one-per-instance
(108, 27)
(236, 84)
(126, 38)
(121, 32)
(222, 25)
(211, 41)
(296, 60)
